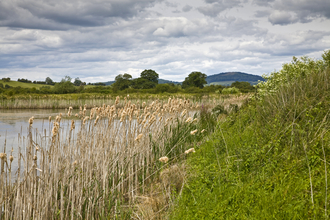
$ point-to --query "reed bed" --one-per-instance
(76, 100)
(101, 164)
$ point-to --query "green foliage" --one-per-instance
(6, 79)
(49, 81)
(65, 86)
(194, 79)
(150, 75)
(244, 87)
(269, 160)
(142, 83)
(122, 81)
(301, 67)
(77, 82)
(231, 90)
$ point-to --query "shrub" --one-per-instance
(232, 90)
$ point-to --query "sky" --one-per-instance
(96, 40)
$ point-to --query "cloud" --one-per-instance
(263, 2)
(187, 8)
(64, 14)
(296, 44)
(285, 12)
(213, 8)
(281, 18)
(261, 14)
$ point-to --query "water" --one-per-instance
(14, 124)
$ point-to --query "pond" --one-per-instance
(14, 124)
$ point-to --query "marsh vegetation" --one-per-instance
(104, 161)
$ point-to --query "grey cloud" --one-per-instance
(281, 18)
(300, 11)
(237, 27)
(63, 14)
(171, 4)
(262, 14)
(176, 11)
(263, 2)
(186, 8)
(214, 8)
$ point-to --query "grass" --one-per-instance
(23, 85)
(267, 161)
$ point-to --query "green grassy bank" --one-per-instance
(271, 159)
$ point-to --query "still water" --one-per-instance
(14, 124)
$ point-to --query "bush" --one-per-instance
(232, 90)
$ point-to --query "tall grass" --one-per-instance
(269, 160)
(62, 101)
(98, 168)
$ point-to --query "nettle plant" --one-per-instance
(299, 67)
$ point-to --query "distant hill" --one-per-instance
(109, 83)
(224, 79)
(163, 81)
(228, 78)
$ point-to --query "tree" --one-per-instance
(65, 86)
(77, 82)
(122, 81)
(195, 79)
(142, 83)
(49, 81)
(150, 75)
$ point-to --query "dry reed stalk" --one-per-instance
(61, 174)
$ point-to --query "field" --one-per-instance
(23, 85)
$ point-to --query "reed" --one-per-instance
(98, 165)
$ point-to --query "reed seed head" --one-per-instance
(137, 139)
(190, 150)
(11, 158)
(35, 157)
(193, 132)
(163, 159)
(3, 156)
(50, 118)
(72, 125)
(189, 120)
(31, 120)
(184, 113)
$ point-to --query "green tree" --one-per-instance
(49, 81)
(244, 87)
(141, 83)
(160, 88)
(65, 86)
(150, 75)
(194, 79)
(77, 82)
(122, 81)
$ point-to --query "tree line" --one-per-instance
(124, 83)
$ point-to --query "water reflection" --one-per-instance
(14, 124)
